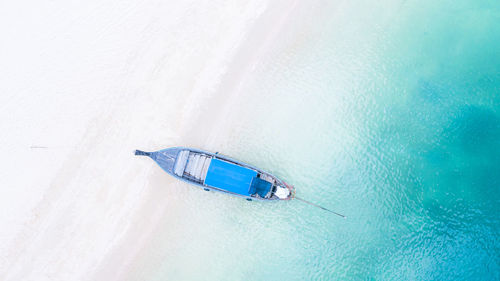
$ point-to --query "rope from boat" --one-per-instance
(318, 206)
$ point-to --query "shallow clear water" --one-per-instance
(388, 113)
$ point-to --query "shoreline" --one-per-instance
(100, 210)
(224, 94)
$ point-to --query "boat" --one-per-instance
(215, 172)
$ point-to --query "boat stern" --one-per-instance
(284, 191)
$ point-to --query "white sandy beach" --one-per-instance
(82, 86)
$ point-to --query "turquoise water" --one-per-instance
(388, 113)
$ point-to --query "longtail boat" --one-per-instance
(215, 172)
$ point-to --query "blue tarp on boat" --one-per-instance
(260, 187)
(229, 176)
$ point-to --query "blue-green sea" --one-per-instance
(385, 111)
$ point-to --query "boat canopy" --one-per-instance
(229, 176)
(260, 186)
